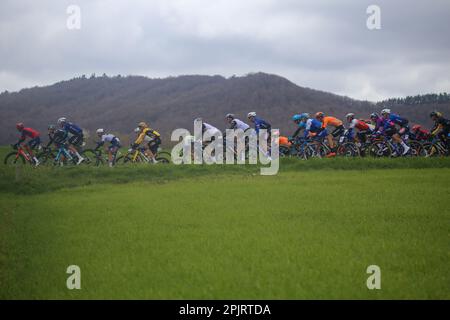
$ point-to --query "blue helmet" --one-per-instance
(296, 117)
(304, 116)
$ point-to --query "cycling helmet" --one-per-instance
(374, 115)
(386, 111)
(100, 131)
(251, 114)
(296, 117)
(51, 127)
(350, 115)
(416, 127)
(142, 125)
(304, 116)
(229, 116)
(319, 115)
(137, 130)
(62, 120)
(19, 126)
(435, 114)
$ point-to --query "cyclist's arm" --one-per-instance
(437, 127)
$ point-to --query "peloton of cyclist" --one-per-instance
(34, 142)
(152, 139)
(75, 137)
(114, 144)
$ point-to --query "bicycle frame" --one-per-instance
(62, 151)
(21, 152)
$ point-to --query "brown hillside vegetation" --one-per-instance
(119, 103)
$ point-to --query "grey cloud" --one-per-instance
(319, 44)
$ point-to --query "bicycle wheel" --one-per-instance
(417, 150)
(12, 159)
(45, 158)
(124, 160)
(348, 149)
(162, 160)
(379, 149)
(91, 157)
(431, 149)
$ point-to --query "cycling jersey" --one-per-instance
(420, 135)
(395, 118)
(440, 124)
(148, 135)
(34, 136)
(381, 125)
(331, 121)
(73, 129)
(115, 142)
(238, 124)
(313, 126)
(58, 137)
(359, 124)
(212, 131)
(261, 124)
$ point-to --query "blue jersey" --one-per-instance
(395, 118)
(261, 124)
(73, 129)
(312, 125)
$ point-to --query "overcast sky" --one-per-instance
(319, 44)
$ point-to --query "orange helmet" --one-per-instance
(319, 115)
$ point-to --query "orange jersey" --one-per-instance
(331, 121)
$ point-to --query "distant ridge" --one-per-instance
(119, 103)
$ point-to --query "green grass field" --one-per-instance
(225, 232)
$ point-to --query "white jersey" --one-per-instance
(211, 129)
(238, 124)
(109, 138)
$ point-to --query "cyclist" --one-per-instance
(360, 125)
(338, 129)
(387, 128)
(152, 139)
(441, 127)
(35, 140)
(112, 148)
(395, 118)
(75, 137)
(419, 134)
(298, 119)
(259, 123)
(236, 123)
(55, 136)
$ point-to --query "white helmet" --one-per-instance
(230, 116)
(137, 130)
(198, 120)
(62, 120)
(350, 115)
(100, 130)
(386, 111)
(251, 114)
